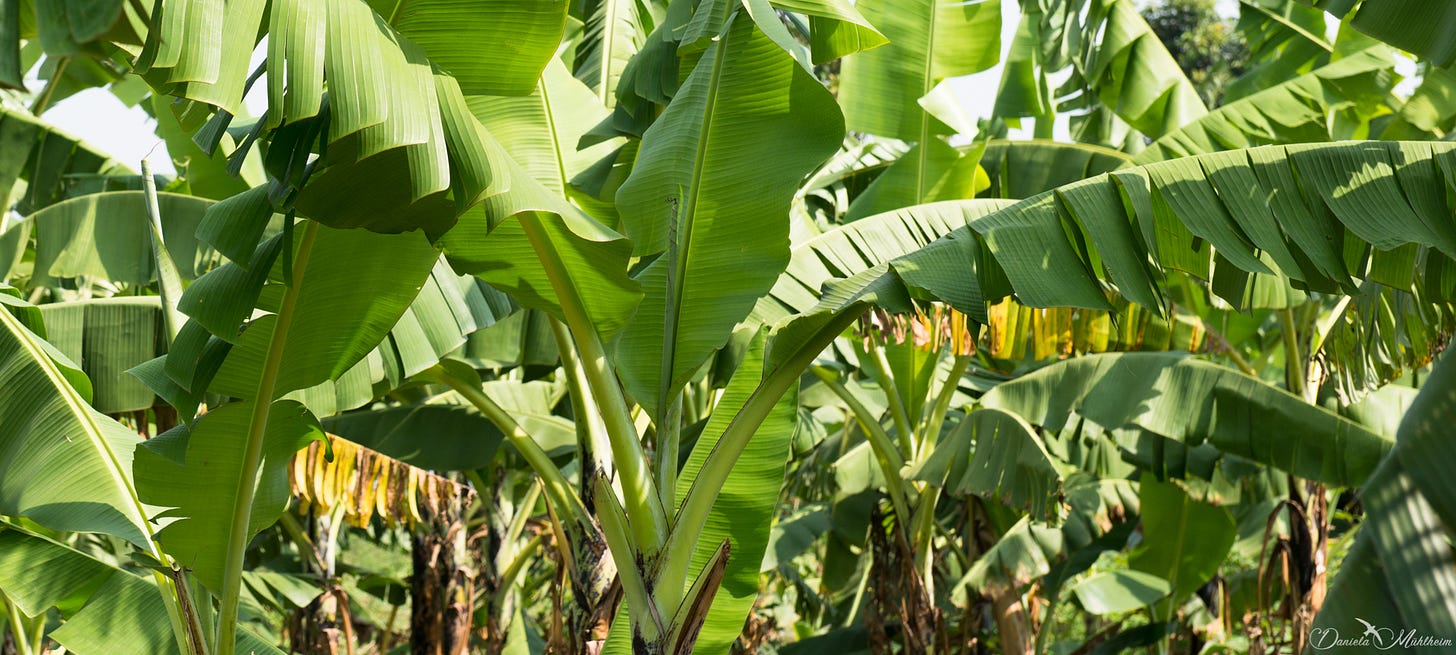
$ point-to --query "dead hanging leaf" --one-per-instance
(694, 610)
(364, 483)
(1016, 331)
(930, 328)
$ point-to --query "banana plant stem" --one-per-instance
(253, 452)
(640, 500)
(523, 513)
(37, 635)
(898, 415)
(588, 421)
(514, 569)
(557, 488)
(43, 100)
(1294, 368)
(301, 539)
(881, 444)
(1228, 349)
(1323, 327)
(669, 431)
(937, 410)
(171, 597)
(169, 281)
(17, 628)
(642, 608)
(924, 536)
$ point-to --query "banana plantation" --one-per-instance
(638, 327)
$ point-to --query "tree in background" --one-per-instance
(1207, 47)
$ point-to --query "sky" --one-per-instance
(126, 133)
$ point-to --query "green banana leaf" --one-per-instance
(1185, 541)
(791, 536)
(1420, 27)
(435, 437)
(198, 476)
(520, 339)
(1285, 39)
(896, 91)
(318, 330)
(205, 173)
(1015, 331)
(1401, 572)
(64, 27)
(1102, 513)
(490, 46)
(443, 318)
(109, 336)
(930, 171)
(43, 157)
(1259, 223)
(836, 28)
(1022, 169)
(1428, 113)
(1193, 401)
(881, 89)
(333, 328)
(1023, 92)
(1115, 55)
(105, 236)
(541, 130)
(614, 32)
(851, 249)
(105, 609)
(588, 259)
(747, 117)
(1119, 592)
(1008, 169)
(1296, 111)
(394, 94)
(38, 574)
(50, 432)
(997, 455)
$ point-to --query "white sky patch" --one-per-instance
(125, 133)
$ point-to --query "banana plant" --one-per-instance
(1163, 193)
(288, 277)
(680, 218)
(908, 361)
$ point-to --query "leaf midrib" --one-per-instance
(609, 33)
(79, 410)
(1323, 44)
(685, 219)
(925, 87)
(550, 118)
(246, 489)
